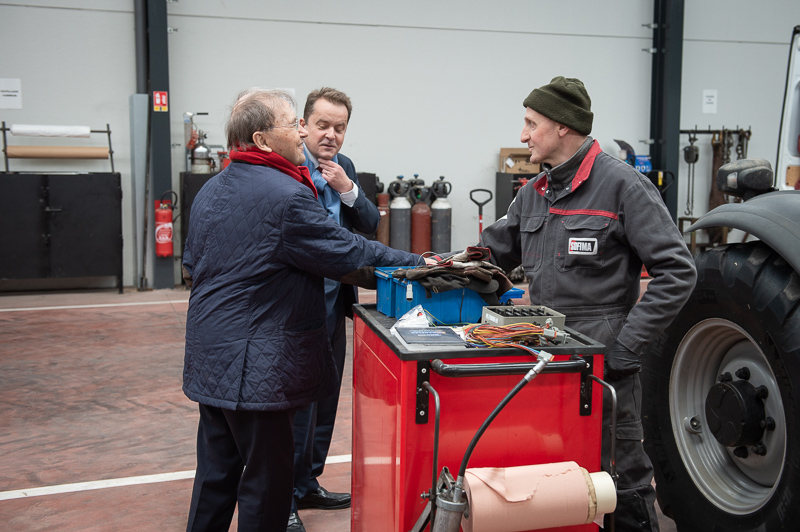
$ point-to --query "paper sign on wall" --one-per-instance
(160, 103)
(10, 93)
(710, 102)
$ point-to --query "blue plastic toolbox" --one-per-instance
(385, 297)
(398, 296)
(447, 308)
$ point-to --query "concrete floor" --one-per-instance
(95, 432)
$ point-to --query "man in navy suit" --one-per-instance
(325, 117)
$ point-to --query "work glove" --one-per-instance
(621, 362)
(363, 278)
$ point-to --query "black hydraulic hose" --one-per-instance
(543, 360)
(471, 447)
(173, 203)
(428, 386)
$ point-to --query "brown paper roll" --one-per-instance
(534, 497)
(56, 152)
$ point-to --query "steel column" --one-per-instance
(160, 155)
(665, 102)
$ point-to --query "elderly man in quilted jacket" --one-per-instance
(258, 249)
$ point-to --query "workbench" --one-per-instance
(557, 417)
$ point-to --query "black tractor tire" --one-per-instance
(743, 312)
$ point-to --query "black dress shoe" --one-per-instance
(324, 500)
(295, 524)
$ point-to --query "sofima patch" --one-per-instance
(582, 246)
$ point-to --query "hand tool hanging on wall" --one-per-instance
(690, 154)
(441, 216)
(480, 205)
(743, 137)
(721, 145)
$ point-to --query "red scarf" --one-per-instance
(253, 155)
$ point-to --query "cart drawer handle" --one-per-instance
(575, 365)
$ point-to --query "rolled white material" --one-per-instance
(27, 130)
(534, 497)
(605, 492)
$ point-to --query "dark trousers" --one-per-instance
(636, 497)
(243, 456)
(313, 425)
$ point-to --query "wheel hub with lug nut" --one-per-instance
(735, 414)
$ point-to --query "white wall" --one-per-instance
(437, 87)
(75, 60)
(742, 51)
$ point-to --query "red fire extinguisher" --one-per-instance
(163, 217)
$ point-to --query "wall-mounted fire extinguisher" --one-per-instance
(163, 217)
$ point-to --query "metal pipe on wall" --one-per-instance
(140, 37)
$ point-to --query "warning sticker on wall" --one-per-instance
(160, 103)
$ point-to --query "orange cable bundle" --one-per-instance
(513, 335)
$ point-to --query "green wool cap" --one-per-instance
(565, 101)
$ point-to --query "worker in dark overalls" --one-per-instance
(582, 230)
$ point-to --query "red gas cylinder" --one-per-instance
(420, 221)
(383, 226)
(224, 159)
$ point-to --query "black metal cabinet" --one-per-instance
(506, 187)
(190, 185)
(60, 226)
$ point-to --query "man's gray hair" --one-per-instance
(254, 110)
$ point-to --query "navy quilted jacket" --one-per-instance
(258, 247)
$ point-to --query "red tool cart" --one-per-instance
(555, 418)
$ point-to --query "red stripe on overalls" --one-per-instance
(580, 176)
(590, 212)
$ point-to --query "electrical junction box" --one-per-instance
(536, 314)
